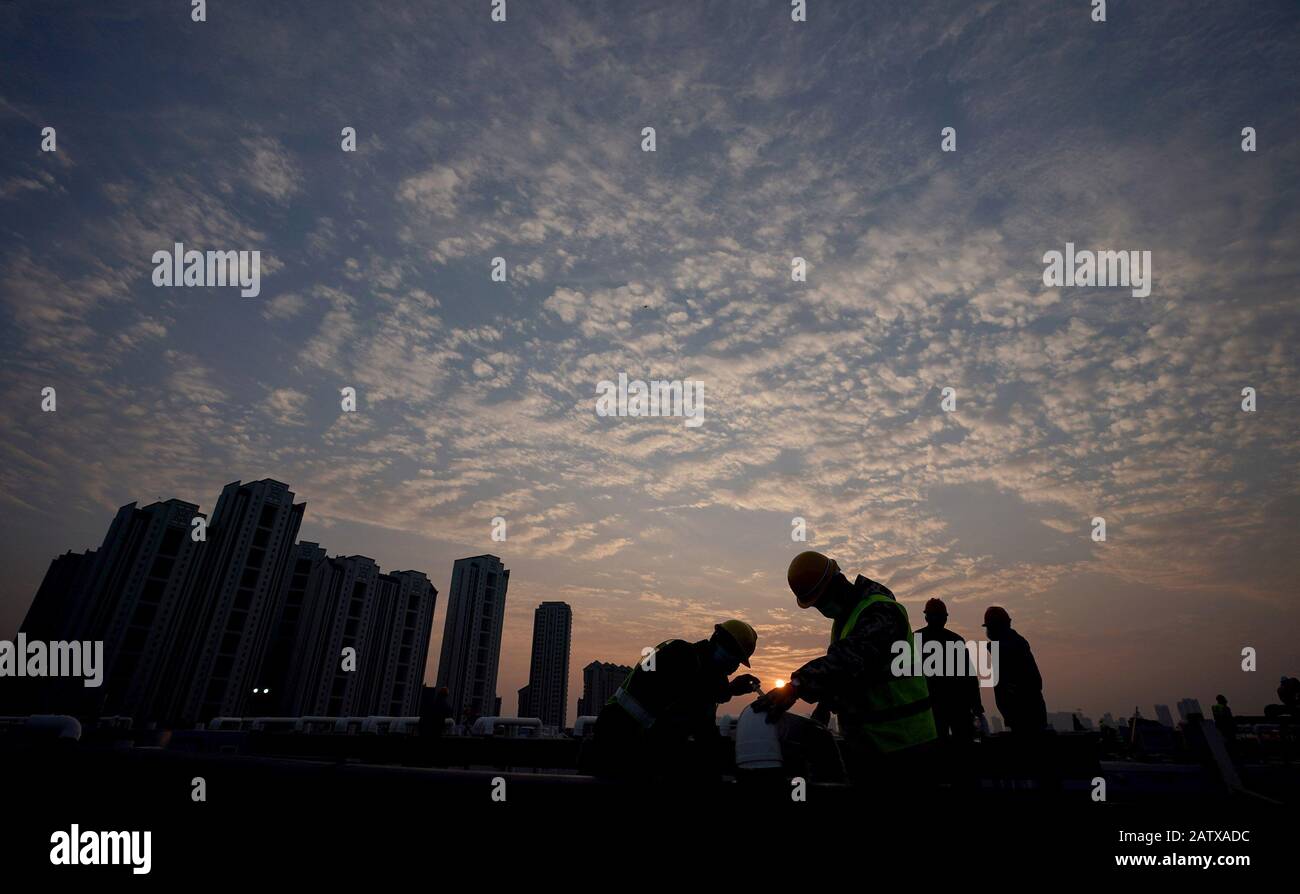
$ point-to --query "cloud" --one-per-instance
(823, 397)
(287, 406)
(270, 169)
(284, 306)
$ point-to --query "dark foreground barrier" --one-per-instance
(266, 817)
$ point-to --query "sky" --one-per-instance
(774, 139)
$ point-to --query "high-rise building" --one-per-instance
(404, 642)
(1163, 715)
(129, 594)
(250, 540)
(548, 675)
(1187, 707)
(239, 620)
(344, 603)
(600, 680)
(60, 598)
(471, 639)
(139, 594)
(298, 642)
(350, 588)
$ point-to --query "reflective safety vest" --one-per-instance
(645, 715)
(894, 714)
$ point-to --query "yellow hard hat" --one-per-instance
(744, 636)
(809, 575)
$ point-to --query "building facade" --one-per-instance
(130, 594)
(403, 641)
(230, 617)
(548, 674)
(600, 680)
(235, 602)
(471, 640)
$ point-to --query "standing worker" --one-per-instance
(1223, 719)
(662, 719)
(1288, 692)
(886, 720)
(1019, 690)
(955, 696)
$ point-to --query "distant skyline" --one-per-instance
(820, 140)
(577, 663)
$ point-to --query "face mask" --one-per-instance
(828, 605)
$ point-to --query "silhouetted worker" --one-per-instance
(661, 722)
(1223, 719)
(885, 719)
(1288, 691)
(954, 696)
(435, 708)
(1019, 690)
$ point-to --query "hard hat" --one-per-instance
(997, 614)
(742, 635)
(809, 575)
(934, 607)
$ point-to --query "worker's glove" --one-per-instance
(776, 702)
(744, 684)
(822, 713)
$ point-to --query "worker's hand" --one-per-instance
(776, 702)
(744, 684)
(822, 713)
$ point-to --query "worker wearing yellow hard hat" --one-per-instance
(882, 716)
(661, 721)
(743, 640)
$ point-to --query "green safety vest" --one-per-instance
(894, 714)
(623, 697)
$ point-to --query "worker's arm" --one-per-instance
(969, 682)
(1018, 672)
(722, 690)
(864, 656)
(1011, 662)
(1034, 677)
(741, 685)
